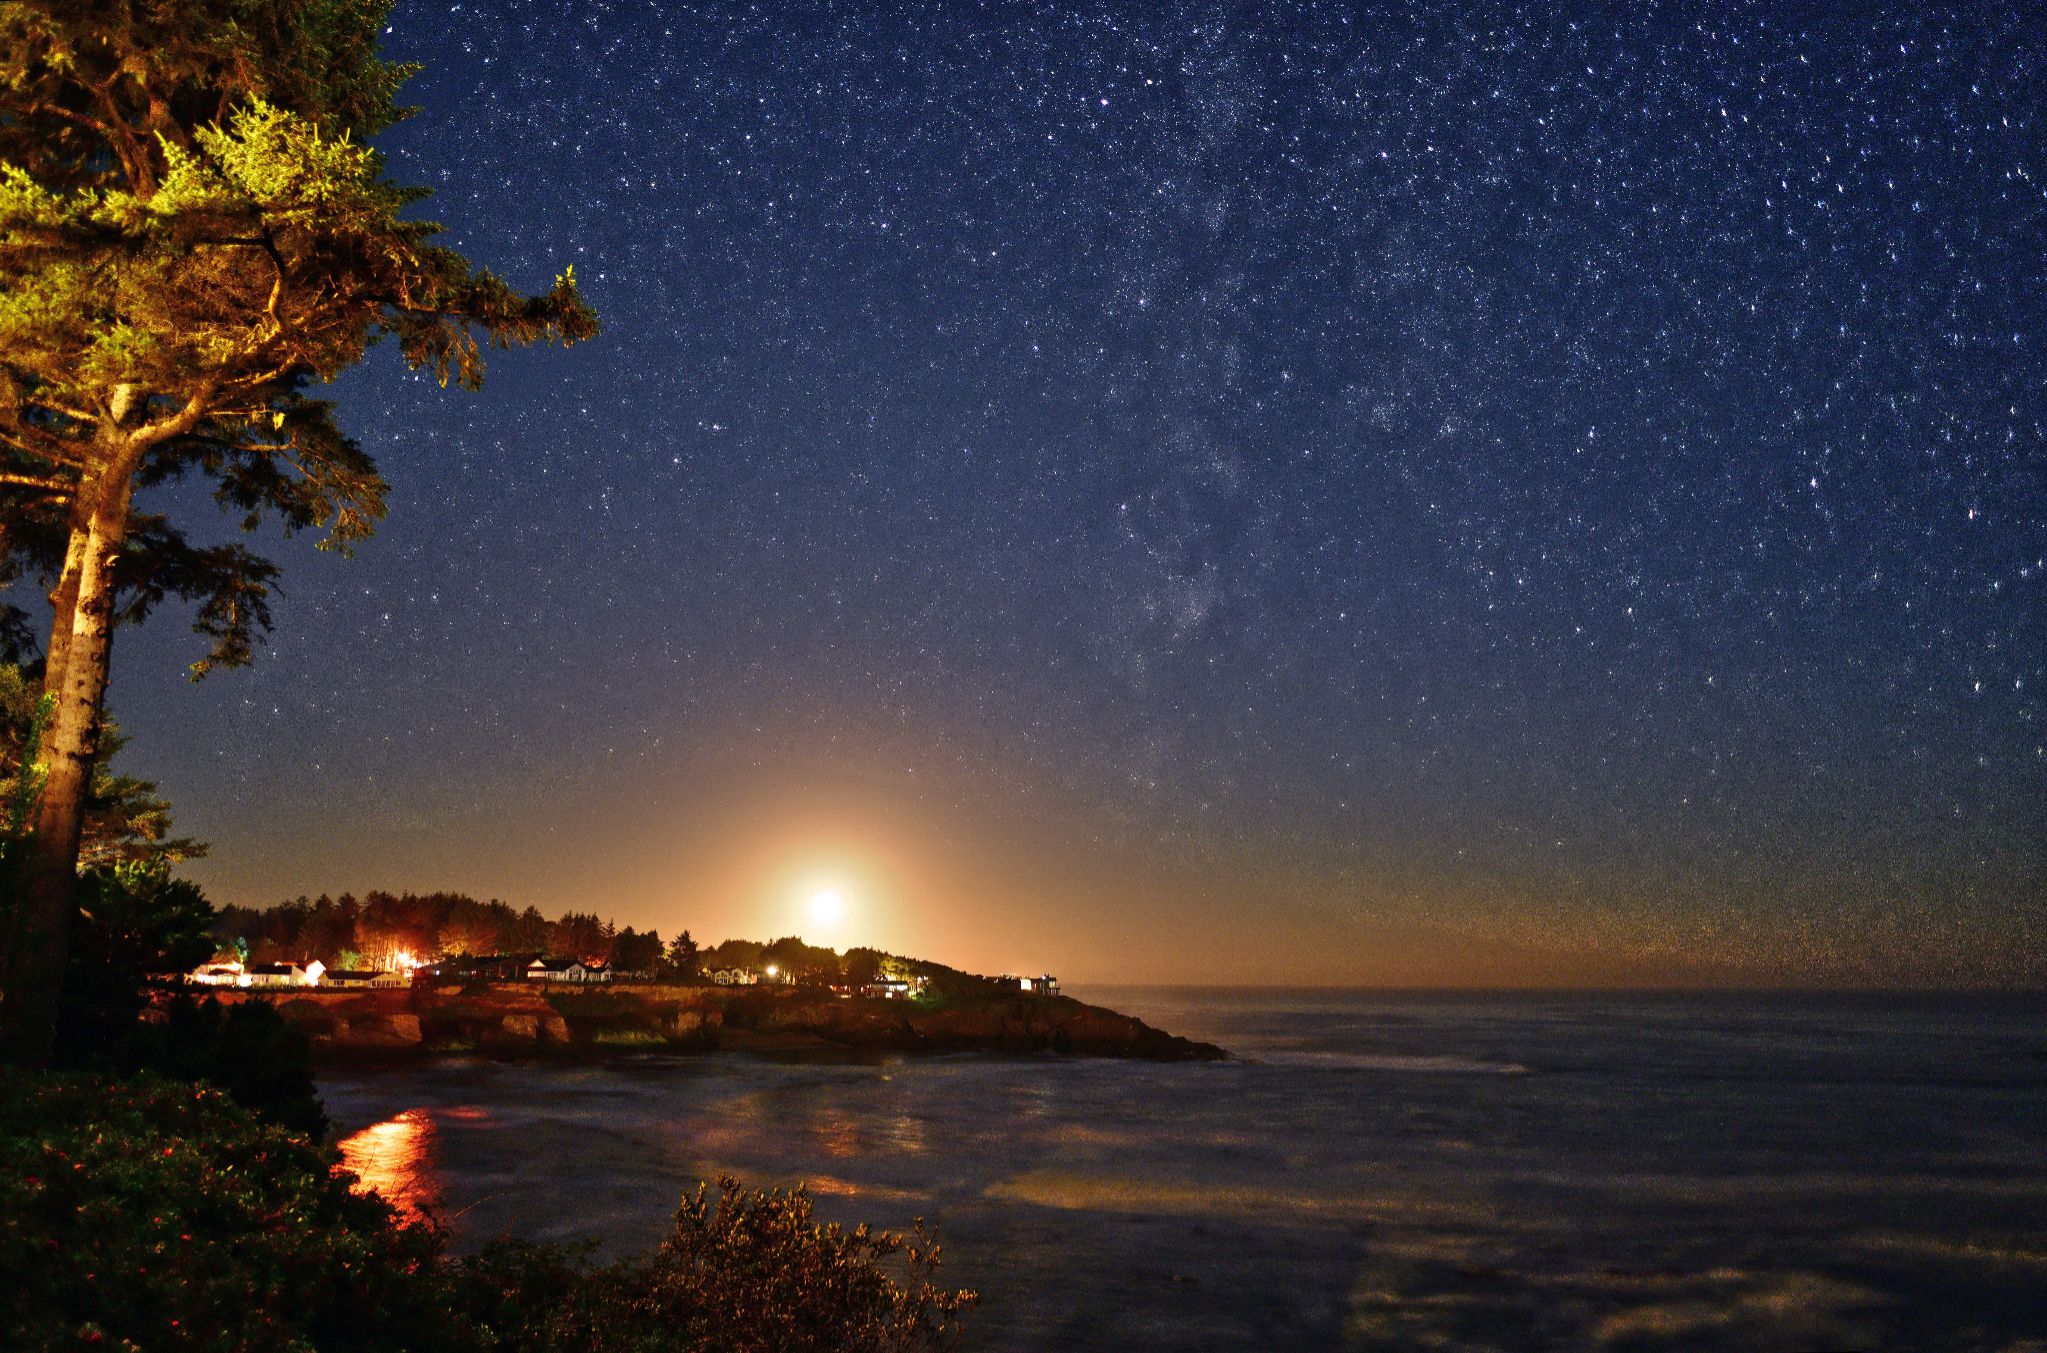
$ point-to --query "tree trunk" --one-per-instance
(38, 939)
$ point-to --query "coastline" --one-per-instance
(1746, 1172)
(526, 1020)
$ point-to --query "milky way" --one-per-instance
(1574, 490)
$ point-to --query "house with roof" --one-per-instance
(363, 978)
(734, 977)
(477, 968)
(282, 974)
(567, 970)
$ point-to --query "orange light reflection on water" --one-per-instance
(395, 1158)
(836, 1132)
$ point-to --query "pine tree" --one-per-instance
(193, 233)
(680, 962)
(126, 820)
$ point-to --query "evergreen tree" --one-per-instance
(635, 952)
(126, 821)
(193, 231)
(680, 963)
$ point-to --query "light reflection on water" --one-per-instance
(837, 1132)
(1419, 1172)
(395, 1158)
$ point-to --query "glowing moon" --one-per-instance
(827, 905)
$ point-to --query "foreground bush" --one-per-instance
(748, 1272)
(164, 1216)
(155, 1215)
(260, 1058)
(135, 923)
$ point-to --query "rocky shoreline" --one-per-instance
(529, 1019)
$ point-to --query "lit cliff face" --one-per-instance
(395, 1158)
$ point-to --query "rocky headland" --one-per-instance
(536, 1019)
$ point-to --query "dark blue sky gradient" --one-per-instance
(1300, 492)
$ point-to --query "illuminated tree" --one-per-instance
(801, 962)
(192, 233)
(126, 821)
(468, 929)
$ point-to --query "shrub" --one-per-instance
(751, 1272)
(248, 1049)
(757, 1263)
(159, 1215)
(135, 922)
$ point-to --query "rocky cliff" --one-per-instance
(523, 1019)
(1007, 1023)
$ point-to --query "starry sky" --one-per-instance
(1259, 493)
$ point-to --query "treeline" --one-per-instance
(791, 958)
(378, 928)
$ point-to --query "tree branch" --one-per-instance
(177, 424)
(29, 481)
(75, 415)
(41, 446)
(59, 110)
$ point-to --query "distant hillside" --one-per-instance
(524, 1019)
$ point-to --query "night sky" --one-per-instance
(1287, 493)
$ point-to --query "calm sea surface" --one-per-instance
(1375, 1171)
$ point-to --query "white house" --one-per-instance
(363, 977)
(567, 970)
(1043, 985)
(734, 977)
(280, 975)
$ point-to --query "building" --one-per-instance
(478, 968)
(363, 977)
(734, 977)
(216, 975)
(567, 970)
(1043, 985)
(282, 974)
(498, 967)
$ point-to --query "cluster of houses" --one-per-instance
(318, 974)
(890, 988)
(536, 968)
(313, 974)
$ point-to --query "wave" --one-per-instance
(1374, 1061)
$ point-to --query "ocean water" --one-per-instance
(1374, 1170)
